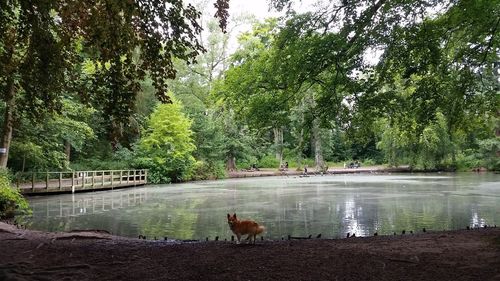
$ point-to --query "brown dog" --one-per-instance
(246, 227)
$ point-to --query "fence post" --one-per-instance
(121, 176)
(60, 181)
(111, 173)
(145, 176)
(47, 181)
(128, 176)
(102, 182)
(73, 182)
(93, 179)
(135, 177)
(83, 180)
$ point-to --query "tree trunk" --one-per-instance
(24, 163)
(299, 149)
(231, 163)
(67, 150)
(300, 146)
(7, 123)
(318, 153)
(115, 133)
(278, 142)
(497, 131)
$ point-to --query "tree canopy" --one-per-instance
(396, 82)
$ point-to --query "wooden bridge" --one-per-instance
(78, 181)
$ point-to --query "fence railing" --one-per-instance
(45, 182)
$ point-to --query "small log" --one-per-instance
(299, 237)
(190, 240)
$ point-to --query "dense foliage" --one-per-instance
(12, 203)
(383, 82)
(166, 146)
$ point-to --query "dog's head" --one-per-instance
(231, 220)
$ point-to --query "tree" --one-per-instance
(40, 43)
(166, 146)
(443, 58)
(246, 88)
(44, 146)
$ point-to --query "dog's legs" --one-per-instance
(249, 238)
(238, 236)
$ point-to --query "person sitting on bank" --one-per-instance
(254, 167)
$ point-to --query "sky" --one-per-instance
(260, 10)
(256, 8)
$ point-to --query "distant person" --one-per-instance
(305, 170)
(254, 167)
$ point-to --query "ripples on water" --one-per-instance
(330, 205)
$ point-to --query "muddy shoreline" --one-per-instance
(93, 255)
(266, 172)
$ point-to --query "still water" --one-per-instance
(330, 205)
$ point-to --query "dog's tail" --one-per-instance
(260, 229)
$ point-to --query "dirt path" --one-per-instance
(451, 255)
(333, 171)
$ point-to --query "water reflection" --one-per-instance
(330, 205)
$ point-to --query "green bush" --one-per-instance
(12, 203)
(488, 150)
(208, 170)
(166, 170)
(309, 162)
(368, 162)
(246, 162)
(96, 164)
(166, 147)
(122, 159)
(291, 163)
(268, 161)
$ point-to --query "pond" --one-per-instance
(331, 205)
